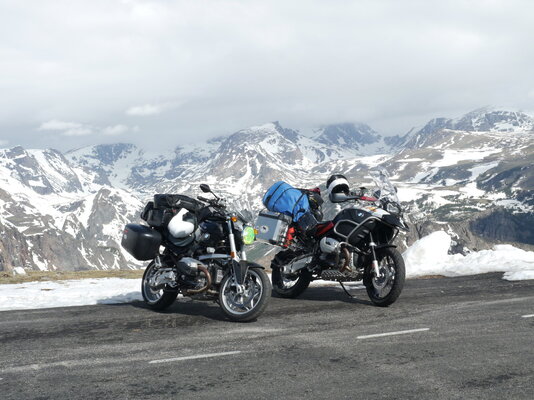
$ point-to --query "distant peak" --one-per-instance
(352, 134)
(484, 119)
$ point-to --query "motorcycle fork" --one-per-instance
(240, 266)
(374, 261)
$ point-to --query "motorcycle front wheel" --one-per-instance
(156, 298)
(386, 288)
(248, 303)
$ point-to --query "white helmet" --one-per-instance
(337, 184)
(180, 228)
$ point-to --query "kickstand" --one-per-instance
(346, 291)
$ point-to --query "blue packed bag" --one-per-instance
(284, 198)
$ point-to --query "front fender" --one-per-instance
(240, 269)
(384, 246)
(254, 265)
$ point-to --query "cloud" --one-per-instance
(77, 129)
(81, 131)
(115, 130)
(148, 109)
(3, 142)
(56, 125)
(66, 128)
(234, 64)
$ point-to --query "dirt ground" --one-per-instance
(6, 277)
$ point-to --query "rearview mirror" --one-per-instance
(205, 188)
(338, 197)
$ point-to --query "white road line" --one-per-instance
(228, 353)
(527, 316)
(393, 333)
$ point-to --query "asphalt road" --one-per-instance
(450, 338)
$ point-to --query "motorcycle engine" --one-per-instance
(329, 245)
(330, 249)
(332, 257)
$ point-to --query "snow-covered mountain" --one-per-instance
(54, 214)
(471, 176)
(481, 120)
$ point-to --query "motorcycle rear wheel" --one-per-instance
(288, 286)
(386, 289)
(156, 299)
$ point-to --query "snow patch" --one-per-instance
(81, 292)
(19, 271)
(519, 275)
(453, 157)
(429, 256)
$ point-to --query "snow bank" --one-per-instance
(429, 256)
(81, 292)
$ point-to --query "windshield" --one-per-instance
(384, 190)
(242, 208)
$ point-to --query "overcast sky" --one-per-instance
(158, 73)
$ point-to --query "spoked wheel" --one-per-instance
(156, 295)
(385, 289)
(247, 302)
(285, 285)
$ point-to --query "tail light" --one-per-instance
(290, 235)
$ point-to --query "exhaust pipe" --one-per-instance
(203, 288)
(345, 266)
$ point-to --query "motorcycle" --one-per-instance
(201, 256)
(356, 245)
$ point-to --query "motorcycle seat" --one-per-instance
(323, 227)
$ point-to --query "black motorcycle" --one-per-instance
(356, 245)
(208, 264)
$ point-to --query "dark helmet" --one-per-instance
(337, 184)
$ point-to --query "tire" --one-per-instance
(157, 300)
(252, 303)
(287, 286)
(387, 290)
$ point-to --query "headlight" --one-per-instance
(248, 235)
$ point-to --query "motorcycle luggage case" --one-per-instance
(141, 241)
(272, 227)
(176, 201)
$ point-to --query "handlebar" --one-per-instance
(211, 202)
(367, 198)
(341, 198)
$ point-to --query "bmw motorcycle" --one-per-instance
(357, 245)
(206, 262)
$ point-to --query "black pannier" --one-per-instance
(144, 214)
(141, 241)
(159, 218)
(177, 201)
(156, 217)
(159, 212)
